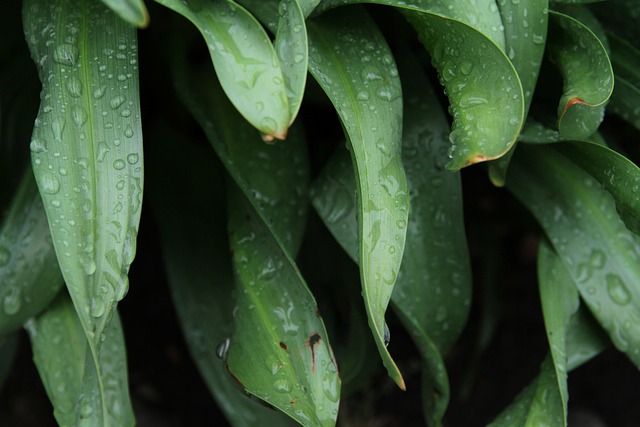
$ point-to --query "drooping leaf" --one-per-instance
(245, 60)
(29, 274)
(626, 93)
(82, 392)
(582, 223)
(467, 48)
(198, 266)
(247, 159)
(525, 29)
(353, 64)
(87, 149)
(584, 64)
(132, 11)
(432, 293)
(617, 174)
(279, 350)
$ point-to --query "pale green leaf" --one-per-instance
(198, 265)
(86, 148)
(84, 393)
(584, 64)
(132, 11)
(582, 223)
(353, 64)
(29, 274)
(245, 60)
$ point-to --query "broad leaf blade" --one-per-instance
(198, 264)
(87, 148)
(368, 99)
(467, 48)
(132, 11)
(588, 78)
(279, 350)
(581, 220)
(245, 61)
(29, 274)
(82, 393)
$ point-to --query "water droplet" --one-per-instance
(618, 290)
(119, 164)
(125, 112)
(99, 93)
(37, 146)
(89, 266)
(223, 349)
(120, 185)
(133, 158)
(117, 101)
(282, 386)
(55, 203)
(387, 335)
(74, 87)
(57, 127)
(12, 302)
(66, 54)
(103, 150)
(128, 131)
(86, 410)
(298, 58)
(122, 77)
(402, 224)
(49, 184)
(392, 249)
(79, 115)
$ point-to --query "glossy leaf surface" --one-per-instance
(132, 11)
(368, 99)
(588, 78)
(245, 61)
(485, 94)
(87, 148)
(29, 274)
(82, 393)
(199, 268)
(586, 231)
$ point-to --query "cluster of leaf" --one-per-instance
(233, 219)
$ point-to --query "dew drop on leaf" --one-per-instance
(617, 290)
(66, 54)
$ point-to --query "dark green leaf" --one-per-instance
(29, 274)
(87, 148)
(626, 94)
(584, 64)
(353, 64)
(581, 220)
(82, 392)
(8, 350)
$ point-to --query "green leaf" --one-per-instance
(245, 61)
(617, 174)
(8, 351)
(279, 350)
(585, 67)
(626, 94)
(132, 11)
(537, 405)
(620, 17)
(86, 149)
(198, 265)
(29, 274)
(581, 220)
(83, 393)
(368, 99)
(269, 175)
(484, 90)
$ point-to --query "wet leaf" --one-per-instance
(132, 11)
(585, 67)
(617, 174)
(626, 93)
(352, 63)
(245, 61)
(29, 274)
(582, 223)
(279, 350)
(467, 48)
(83, 393)
(198, 265)
(86, 149)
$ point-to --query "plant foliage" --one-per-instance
(305, 181)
